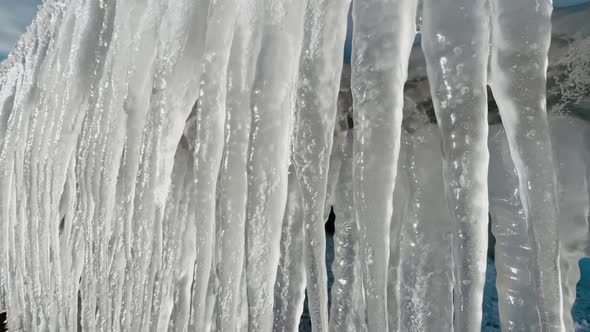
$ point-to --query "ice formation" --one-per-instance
(169, 165)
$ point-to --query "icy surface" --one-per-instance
(382, 37)
(176, 173)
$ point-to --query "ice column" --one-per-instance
(179, 212)
(570, 147)
(455, 43)
(36, 163)
(520, 41)
(347, 312)
(319, 81)
(233, 185)
(100, 147)
(382, 40)
(290, 285)
(401, 203)
(343, 117)
(268, 158)
(208, 121)
(513, 252)
(426, 292)
(15, 94)
(174, 59)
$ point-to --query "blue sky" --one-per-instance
(15, 15)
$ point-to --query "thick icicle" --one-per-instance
(8, 87)
(513, 256)
(268, 158)
(233, 185)
(518, 81)
(139, 81)
(179, 212)
(426, 273)
(208, 122)
(455, 43)
(319, 80)
(175, 70)
(112, 217)
(100, 144)
(343, 119)
(289, 292)
(570, 146)
(38, 144)
(401, 203)
(382, 39)
(346, 314)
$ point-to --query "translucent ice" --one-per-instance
(382, 37)
(170, 165)
(455, 42)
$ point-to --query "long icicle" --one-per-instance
(233, 184)
(209, 120)
(319, 80)
(455, 43)
(346, 314)
(17, 95)
(176, 69)
(139, 80)
(513, 255)
(568, 138)
(268, 158)
(178, 214)
(289, 292)
(383, 35)
(518, 80)
(401, 204)
(175, 64)
(426, 236)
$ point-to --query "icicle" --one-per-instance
(347, 291)
(139, 81)
(343, 116)
(104, 139)
(177, 70)
(569, 148)
(209, 321)
(319, 78)
(333, 171)
(289, 292)
(209, 119)
(144, 168)
(426, 236)
(177, 214)
(8, 90)
(243, 305)
(513, 256)
(401, 203)
(268, 153)
(38, 146)
(174, 72)
(455, 43)
(518, 81)
(233, 176)
(382, 38)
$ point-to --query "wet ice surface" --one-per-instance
(491, 318)
(568, 135)
(176, 173)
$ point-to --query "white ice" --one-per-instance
(170, 165)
